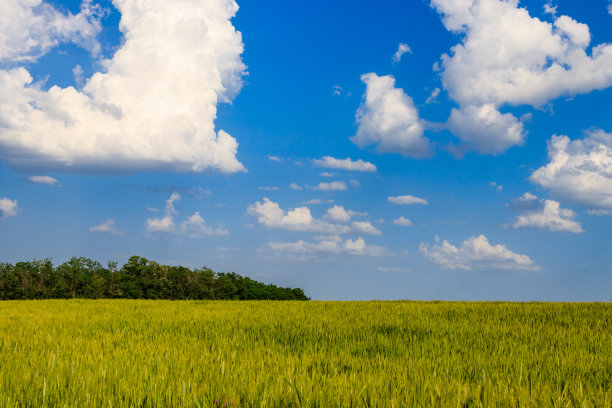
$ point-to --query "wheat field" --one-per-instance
(130, 353)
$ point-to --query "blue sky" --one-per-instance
(360, 150)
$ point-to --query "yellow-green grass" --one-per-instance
(124, 353)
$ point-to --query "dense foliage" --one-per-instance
(139, 278)
(130, 353)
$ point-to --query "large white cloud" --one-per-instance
(388, 118)
(271, 215)
(508, 57)
(476, 253)
(579, 171)
(546, 214)
(153, 107)
(8, 208)
(30, 28)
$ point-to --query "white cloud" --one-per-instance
(330, 245)
(610, 9)
(8, 208)
(331, 186)
(598, 212)
(152, 107)
(295, 186)
(337, 213)
(549, 216)
(194, 226)
(485, 129)
(274, 158)
(433, 96)
(364, 227)
(550, 9)
(327, 174)
(579, 171)
(387, 117)
(401, 50)
(498, 187)
(107, 227)
(271, 215)
(407, 199)
(152, 209)
(476, 253)
(526, 202)
(318, 201)
(345, 164)
(268, 188)
(508, 57)
(403, 221)
(43, 180)
(30, 28)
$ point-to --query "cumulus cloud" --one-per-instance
(485, 129)
(8, 208)
(330, 245)
(30, 28)
(508, 57)
(401, 50)
(403, 221)
(407, 199)
(43, 180)
(152, 107)
(337, 213)
(331, 186)
(271, 215)
(548, 215)
(345, 164)
(107, 227)
(388, 118)
(579, 171)
(193, 227)
(476, 253)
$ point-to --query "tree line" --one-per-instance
(139, 278)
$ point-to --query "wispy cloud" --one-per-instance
(107, 227)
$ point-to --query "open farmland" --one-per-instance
(123, 353)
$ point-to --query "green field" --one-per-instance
(120, 353)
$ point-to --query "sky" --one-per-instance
(434, 149)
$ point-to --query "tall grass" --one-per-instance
(125, 353)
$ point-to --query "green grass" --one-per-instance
(124, 353)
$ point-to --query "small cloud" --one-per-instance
(392, 269)
(78, 76)
(598, 212)
(401, 50)
(318, 201)
(8, 208)
(476, 253)
(407, 200)
(295, 186)
(327, 174)
(550, 9)
(433, 96)
(195, 227)
(403, 221)
(364, 227)
(107, 227)
(326, 245)
(331, 186)
(345, 164)
(354, 183)
(274, 158)
(268, 188)
(498, 187)
(337, 213)
(152, 209)
(43, 180)
(610, 9)
(547, 214)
